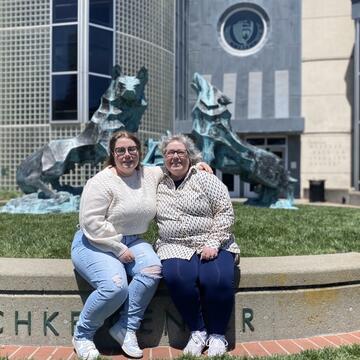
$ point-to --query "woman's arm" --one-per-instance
(95, 201)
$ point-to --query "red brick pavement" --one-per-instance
(250, 349)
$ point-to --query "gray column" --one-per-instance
(255, 95)
(229, 89)
(282, 94)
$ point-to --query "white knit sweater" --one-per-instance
(112, 206)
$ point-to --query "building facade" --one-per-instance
(252, 52)
(55, 62)
(288, 67)
(327, 150)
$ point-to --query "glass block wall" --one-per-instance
(144, 36)
(24, 82)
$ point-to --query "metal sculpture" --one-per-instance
(153, 156)
(121, 108)
(224, 150)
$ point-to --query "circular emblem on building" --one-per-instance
(243, 29)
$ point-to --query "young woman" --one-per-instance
(117, 204)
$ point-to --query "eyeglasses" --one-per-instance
(180, 153)
(120, 151)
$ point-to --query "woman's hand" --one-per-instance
(203, 166)
(208, 253)
(127, 256)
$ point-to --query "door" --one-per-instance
(231, 181)
(279, 151)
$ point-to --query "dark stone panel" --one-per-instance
(256, 126)
(241, 108)
(287, 9)
(268, 106)
(355, 11)
(295, 57)
(294, 83)
(242, 86)
(295, 105)
(269, 126)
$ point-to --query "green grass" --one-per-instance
(308, 231)
(37, 236)
(343, 353)
(260, 232)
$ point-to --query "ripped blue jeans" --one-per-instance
(108, 276)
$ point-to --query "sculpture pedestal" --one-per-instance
(64, 202)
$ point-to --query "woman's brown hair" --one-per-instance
(120, 134)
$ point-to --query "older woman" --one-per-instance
(195, 244)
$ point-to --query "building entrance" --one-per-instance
(277, 145)
(231, 181)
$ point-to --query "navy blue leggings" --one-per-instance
(202, 291)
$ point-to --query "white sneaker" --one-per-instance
(127, 339)
(217, 345)
(85, 349)
(196, 343)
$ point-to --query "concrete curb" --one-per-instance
(277, 298)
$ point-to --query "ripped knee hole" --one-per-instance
(117, 279)
(152, 271)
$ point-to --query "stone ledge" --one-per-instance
(53, 275)
(301, 271)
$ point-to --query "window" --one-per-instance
(228, 180)
(64, 97)
(276, 141)
(64, 49)
(101, 12)
(97, 87)
(100, 50)
(256, 141)
(64, 11)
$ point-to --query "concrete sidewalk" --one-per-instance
(249, 349)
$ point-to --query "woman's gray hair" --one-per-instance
(193, 152)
